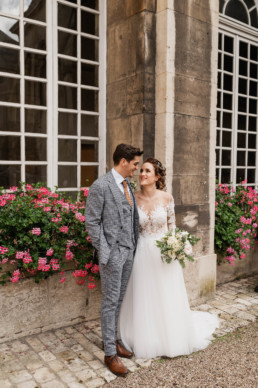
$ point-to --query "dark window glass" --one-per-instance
(89, 100)
(242, 67)
(9, 89)
(9, 119)
(219, 61)
(254, 18)
(217, 157)
(218, 100)
(35, 93)
(228, 44)
(226, 157)
(34, 36)
(10, 175)
(225, 175)
(227, 120)
(67, 176)
(252, 124)
(241, 140)
(242, 104)
(9, 30)
(34, 174)
(254, 53)
(89, 75)
(249, 3)
(35, 149)
(67, 97)
(219, 80)
(240, 175)
(218, 138)
(226, 139)
(67, 44)
(67, 17)
(241, 122)
(89, 23)
(236, 10)
(242, 86)
(35, 9)
(253, 70)
(88, 175)
(243, 49)
(35, 65)
(89, 151)
(251, 158)
(252, 106)
(220, 40)
(228, 63)
(10, 147)
(217, 174)
(89, 125)
(228, 82)
(35, 121)
(253, 88)
(241, 158)
(89, 49)
(9, 60)
(94, 4)
(67, 70)
(250, 176)
(67, 123)
(67, 150)
(227, 101)
(218, 118)
(252, 141)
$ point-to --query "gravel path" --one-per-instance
(230, 361)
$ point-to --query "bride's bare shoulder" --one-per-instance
(166, 197)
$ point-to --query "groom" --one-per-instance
(112, 222)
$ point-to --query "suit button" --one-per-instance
(117, 242)
(121, 227)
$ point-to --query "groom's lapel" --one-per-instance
(116, 193)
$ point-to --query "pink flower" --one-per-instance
(80, 281)
(64, 229)
(242, 256)
(80, 217)
(255, 225)
(230, 250)
(36, 231)
(50, 252)
(85, 191)
(56, 219)
(47, 209)
(69, 255)
(15, 277)
(91, 286)
(3, 250)
(229, 204)
(4, 260)
(29, 187)
(62, 280)
(80, 273)
(13, 188)
(19, 255)
(87, 266)
(88, 239)
(95, 268)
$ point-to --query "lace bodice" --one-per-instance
(158, 220)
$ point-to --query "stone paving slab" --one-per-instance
(72, 356)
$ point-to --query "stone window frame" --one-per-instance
(250, 6)
(52, 83)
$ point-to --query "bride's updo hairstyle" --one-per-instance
(160, 171)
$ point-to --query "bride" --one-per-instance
(155, 317)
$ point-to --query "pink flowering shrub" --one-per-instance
(40, 232)
(236, 221)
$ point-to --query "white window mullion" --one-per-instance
(22, 93)
(235, 110)
(79, 96)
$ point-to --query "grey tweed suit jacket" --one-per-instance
(104, 216)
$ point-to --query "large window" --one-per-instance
(237, 100)
(52, 92)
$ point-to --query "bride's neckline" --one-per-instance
(154, 209)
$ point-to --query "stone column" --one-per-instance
(130, 75)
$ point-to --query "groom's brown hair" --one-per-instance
(125, 151)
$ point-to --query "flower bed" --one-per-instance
(41, 232)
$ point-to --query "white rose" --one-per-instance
(188, 248)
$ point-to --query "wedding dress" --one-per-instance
(155, 317)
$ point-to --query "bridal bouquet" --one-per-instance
(177, 246)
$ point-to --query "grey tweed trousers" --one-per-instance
(114, 278)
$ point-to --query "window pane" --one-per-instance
(9, 32)
(241, 140)
(218, 138)
(254, 53)
(228, 82)
(67, 17)
(35, 93)
(9, 175)
(34, 36)
(94, 4)
(242, 104)
(9, 119)
(227, 101)
(89, 23)
(35, 9)
(252, 106)
(9, 89)
(89, 49)
(12, 8)
(226, 139)
(9, 60)
(243, 49)
(236, 10)
(225, 175)
(251, 158)
(67, 150)
(228, 44)
(228, 63)
(89, 125)
(35, 65)
(219, 80)
(217, 174)
(241, 122)
(89, 100)
(227, 120)
(242, 67)
(252, 124)
(35, 121)
(242, 86)
(253, 70)
(253, 89)
(35, 149)
(240, 175)
(241, 158)
(217, 157)
(10, 148)
(226, 157)
(67, 70)
(89, 151)
(67, 123)
(67, 176)
(34, 174)
(220, 39)
(219, 61)
(67, 97)
(249, 3)
(251, 176)
(218, 118)
(218, 100)
(252, 141)
(89, 75)
(67, 44)
(88, 175)
(254, 18)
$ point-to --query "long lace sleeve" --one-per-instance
(171, 216)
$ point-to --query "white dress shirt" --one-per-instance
(119, 181)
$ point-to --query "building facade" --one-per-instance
(177, 78)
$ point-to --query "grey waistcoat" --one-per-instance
(127, 233)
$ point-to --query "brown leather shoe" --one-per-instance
(122, 351)
(115, 365)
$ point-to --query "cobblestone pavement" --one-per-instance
(72, 356)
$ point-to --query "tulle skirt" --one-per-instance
(155, 317)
